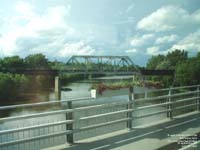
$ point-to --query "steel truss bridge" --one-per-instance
(86, 64)
(101, 65)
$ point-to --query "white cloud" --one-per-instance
(138, 41)
(40, 31)
(168, 18)
(131, 50)
(189, 43)
(24, 7)
(155, 50)
(166, 39)
(77, 48)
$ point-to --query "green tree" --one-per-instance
(155, 61)
(11, 63)
(188, 73)
(37, 61)
(175, 57)
(10, 86)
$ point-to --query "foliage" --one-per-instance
(155, 61)
(176, 57)
(11, 63)
(37, 61)
(187, 70)
(9, 87)
(188, 73)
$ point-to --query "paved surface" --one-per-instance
(141, 138)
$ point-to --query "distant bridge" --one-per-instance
(86, 64)
(101, 65)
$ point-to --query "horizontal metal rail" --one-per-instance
(43, 103)
(62, 122)
(183, 94)
(151, 98)
(181, 107)
(184, 87)
(104, 124)
(35, 138)
(60, 111)
(151, 114)
(36, 126)
(167, 103)
(164, 96)
(185, 100)
(156, 105)
(174, 88)
(35, 115)
(106, 114)
(61, 133)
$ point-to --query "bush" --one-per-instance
(9, 87)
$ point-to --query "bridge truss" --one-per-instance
(101, 65)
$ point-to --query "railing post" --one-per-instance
(169, 112)
(69, 116)
(198, 98)
(130, 106)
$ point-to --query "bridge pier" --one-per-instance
(57, 88)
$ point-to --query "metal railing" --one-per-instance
(74, 118)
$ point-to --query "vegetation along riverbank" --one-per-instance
(187, 72)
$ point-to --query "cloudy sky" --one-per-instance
(61, 28)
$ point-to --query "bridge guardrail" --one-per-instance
(170, 104)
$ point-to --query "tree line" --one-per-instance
(187, 69)
(13, 86)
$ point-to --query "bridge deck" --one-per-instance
(148, 137)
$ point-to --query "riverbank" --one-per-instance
(103, 86)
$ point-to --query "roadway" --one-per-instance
(157, 135)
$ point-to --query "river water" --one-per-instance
(79, 90)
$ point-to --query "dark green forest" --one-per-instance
(187, 69)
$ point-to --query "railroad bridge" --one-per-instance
(107, 65)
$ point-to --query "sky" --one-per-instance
(62, 28)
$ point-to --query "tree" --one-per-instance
(175, 57)
(10, 86)
(12, 63)
(188, 73)
(155, 61)
(36, 61)
(169, 62)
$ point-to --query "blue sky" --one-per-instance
(61, 28)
